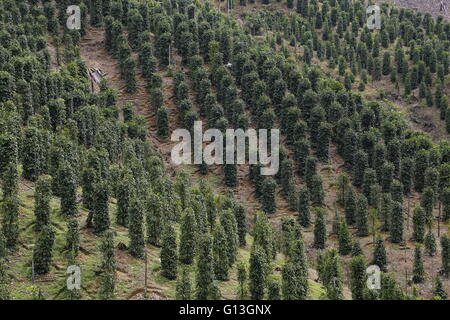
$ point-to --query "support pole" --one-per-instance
(145, 274)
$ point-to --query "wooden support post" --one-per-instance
(439, 220)
(409, 208)
(32, 270)
(145, 274)
(406, 270)
(170, 55)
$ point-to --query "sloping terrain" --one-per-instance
(273, 38)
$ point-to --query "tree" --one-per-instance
(228, 222)
(257, 272)
(73, 237)
(358, 277)
(385, 210)
(89, 177)
(418, 269)
(273, 288)
(286, 174)
(419, 220)
(421, 164)
(295, 272)
(162, 121)
(188, 237)
(302, 151)
(288, 285)
(210, 202)
(320, 231)
(379, 255)
(447, 119)
(427, 202)
(10, 181)
(397, 191)
(268, 200)
(220, 254)
(3, 248)
(4, 281)
(183, 288)
(445, 244)
(68, 189)
(96, 13)
(214, 291)
(43, 251)
(241, 220)
(205, 272)
(394, 155)
(108, 266)
(390, 289)
(125, 190)
(304, 216)
(127, 67)
(100, 212)
(397, 223)
(407, 174)
(302, 7)
(242, 280)
(169, 252)
(256, 178)
(374, 223)
(31, 150)
(386, 63)
(445, 196)
(350, 205)
(135, 230)
(135, 27)
(361, 216)
(289, 231)
(330, 274)
(343, 182)
(356, 249)
(377, 69)
(336, 224)
(387, 174)
(324, 136)
(42, 197)
(443, 105)
(155, 207)
(230, 175)
(430, 243)
(370, 178)
(360, 165)
(438, 289)
(9, 209)
(379, 159)
(344, 239)
(310, 170)
(7, 86)
(316, 190)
